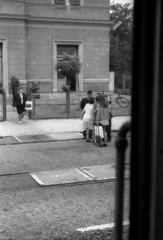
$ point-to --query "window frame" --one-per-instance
(72, 2)
(60, 2)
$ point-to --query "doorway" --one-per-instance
(4, 64)
(70, 50)
(71, 81)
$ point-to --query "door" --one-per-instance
(70, 50)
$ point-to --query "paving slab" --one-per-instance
(100, 172)
(76, 175)
(66, 136)
(7, 140)
(59, 177)
(34, 138)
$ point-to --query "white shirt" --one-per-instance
(88, 109)
(21, 96)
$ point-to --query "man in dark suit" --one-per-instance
(82, 105)
(14, 87)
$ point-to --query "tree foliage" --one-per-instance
(121, 38)
(68, 66)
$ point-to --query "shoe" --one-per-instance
(88, 140)
(105, 145)
(20, 121)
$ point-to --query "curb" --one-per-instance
(49, 140)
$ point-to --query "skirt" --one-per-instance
(104, 122)
(21, 109)
(87, 124)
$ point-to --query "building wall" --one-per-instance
(39, 52)
(15, 37)
(30, 28)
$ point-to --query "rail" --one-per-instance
(121, 145)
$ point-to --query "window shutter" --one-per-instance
(75, 2)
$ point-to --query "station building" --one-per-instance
(35, 33)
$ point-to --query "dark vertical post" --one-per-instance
(68, 102)
(4, 106)
(30, 114)
(34, 102)
(121, 145)
(124, 81)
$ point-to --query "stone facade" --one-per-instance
(31, 31)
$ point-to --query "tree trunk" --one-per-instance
(68, 81)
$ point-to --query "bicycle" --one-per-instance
(121, 101)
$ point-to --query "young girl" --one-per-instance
(87, 117)
(20, 100)
(102, 115)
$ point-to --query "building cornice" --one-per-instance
(28, 18)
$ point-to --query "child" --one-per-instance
(20, 100)
(87, 117)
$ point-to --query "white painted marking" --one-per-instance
(90, 174)
(103, 226)
(37, 179)
(85, 175)
(17, 139)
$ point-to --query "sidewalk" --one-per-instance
(50, 126)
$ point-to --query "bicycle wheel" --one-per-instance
(123, 102)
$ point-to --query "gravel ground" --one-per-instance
(107, 234)
(30, 212)
(57, 212)
(55, 155)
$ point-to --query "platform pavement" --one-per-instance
(50, 126)
(56, 130)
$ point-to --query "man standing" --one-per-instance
(82, 105)
(14, 87)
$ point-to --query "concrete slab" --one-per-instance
(59, 177)
(101, 172)
(66, 136)
(127, 169)
(34, 138)
(7, 140)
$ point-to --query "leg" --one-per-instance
(87, 135)
(105, 135)
(90, 134)
(93, 135)
(20, 118)
(84, 134)
(23, 114)
(109, 131)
